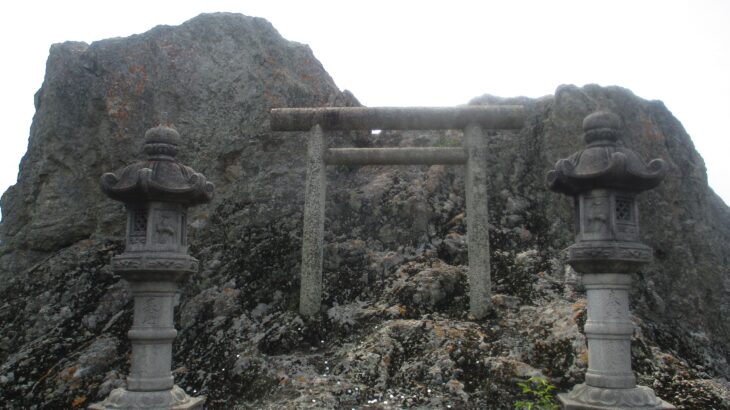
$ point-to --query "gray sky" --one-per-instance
(430, 53)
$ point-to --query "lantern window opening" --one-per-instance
(138, 231)
(184, 229)
(623, 209)
(577, 215)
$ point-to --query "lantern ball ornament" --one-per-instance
(604, 179)
(156, 192)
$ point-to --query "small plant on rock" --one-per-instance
(541, 392)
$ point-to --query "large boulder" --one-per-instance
(394, 330)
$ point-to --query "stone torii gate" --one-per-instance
(472, 119)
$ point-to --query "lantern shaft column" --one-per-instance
(152, 335)
(608, 330)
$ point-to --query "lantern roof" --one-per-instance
(605, 163)
(160, 177)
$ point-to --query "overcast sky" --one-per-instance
(429, 53)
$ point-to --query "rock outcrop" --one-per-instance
(394, 332)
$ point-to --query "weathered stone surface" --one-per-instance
(396, 118)
(603, 180)
(156, 193)
(215, 77)
(394, 259)
(684, 222)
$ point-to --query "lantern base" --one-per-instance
(608, 256)
(584, 397)
(154, 266)
(173, 399)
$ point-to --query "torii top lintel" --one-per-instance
(398, 118)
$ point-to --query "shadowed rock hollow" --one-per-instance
(394, 331)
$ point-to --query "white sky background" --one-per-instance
(429, 53)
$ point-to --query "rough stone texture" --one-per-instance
(684, 293)
(396, 118)
(156, 193)
(394, 275)
(477, 221)
(315, 193)
(475, 148)
(395, 156)
(214, 77)
(603, 180)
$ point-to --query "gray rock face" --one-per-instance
(394, 327)
(215, 77)
(686, 224)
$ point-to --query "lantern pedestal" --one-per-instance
(610, 383)
(172, 399)
(581, 397)
(153, 278)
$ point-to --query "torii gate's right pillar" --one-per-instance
(604, 180)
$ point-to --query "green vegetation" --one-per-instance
(541, 392)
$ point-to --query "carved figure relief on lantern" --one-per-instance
(167, 228)
(149, 311)
(594, 211)
(607, 216)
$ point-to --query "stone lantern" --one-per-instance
(604, 179)
(156, 193)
